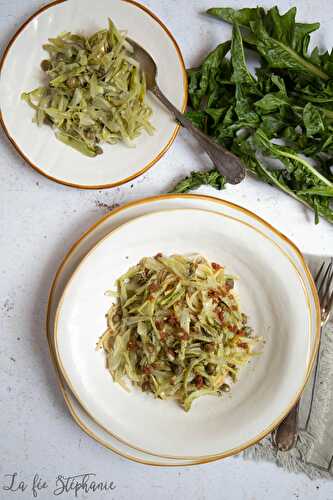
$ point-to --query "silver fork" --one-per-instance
(286, 433)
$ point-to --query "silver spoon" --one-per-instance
(226, 163)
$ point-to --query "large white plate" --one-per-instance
(20, 72)
(276, 298)
(102, 228)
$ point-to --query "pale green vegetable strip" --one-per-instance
(95, 93)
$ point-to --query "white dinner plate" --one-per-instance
(275, 296)
(102, 228)
(20, 72)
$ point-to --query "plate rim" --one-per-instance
(310, 361)
(152, 162)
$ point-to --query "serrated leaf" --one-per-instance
(312, 120)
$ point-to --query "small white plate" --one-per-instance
(20, 72)
(275, 298)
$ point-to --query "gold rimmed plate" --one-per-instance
(288, 249)
(20, 72)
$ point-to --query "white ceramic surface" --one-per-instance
(274, 298)
(71, 261)
(21, 72)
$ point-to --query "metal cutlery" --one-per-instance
(285, 435)
(226, 162)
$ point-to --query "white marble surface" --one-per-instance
(39, 220)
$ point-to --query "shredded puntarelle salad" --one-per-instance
(176, 329)
(95, 91)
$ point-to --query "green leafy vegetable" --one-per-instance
(176, 329)
(212, 178)
(312, 120)
(243, 17)
(241, 73)
(282, 112)
(282, 56)
(95, 92)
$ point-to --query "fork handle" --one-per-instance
(226, 162)
(286, 433)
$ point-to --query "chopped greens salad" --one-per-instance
(176, 329)
(95, 92)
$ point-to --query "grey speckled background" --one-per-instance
(39, 220)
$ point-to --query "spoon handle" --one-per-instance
(226, 163)
(286, 434)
